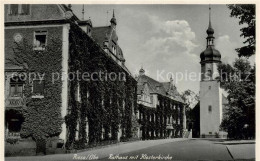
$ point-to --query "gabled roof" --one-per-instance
(104, 33)
(172, 91)
(163, 88)
(141, 87)
(100, 34)
(65, 8)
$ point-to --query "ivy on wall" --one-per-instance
(154, 120)
(106, 106)
(42, 115)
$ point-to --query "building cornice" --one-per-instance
(28, 23)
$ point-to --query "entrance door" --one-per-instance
(13, 123)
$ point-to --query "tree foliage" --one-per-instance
(246, 15)
(191, 100)
(239, 82)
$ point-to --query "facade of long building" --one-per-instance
(161, 109)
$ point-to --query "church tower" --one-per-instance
(210, 92)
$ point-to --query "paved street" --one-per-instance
(168, 149)
(197, 149)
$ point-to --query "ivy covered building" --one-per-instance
(48, 53)
(161, 110)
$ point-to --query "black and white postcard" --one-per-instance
(120, 81)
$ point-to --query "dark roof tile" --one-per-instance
(100, 34)
(162, 88)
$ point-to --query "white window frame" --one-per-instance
(34, 39)
(16, 85)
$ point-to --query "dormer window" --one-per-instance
(89, 31)
(113, 49)
(21, 9)
(13, 9)
(25, 9)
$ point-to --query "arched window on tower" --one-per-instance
(210, 41)
(210, 109)
(208, 74)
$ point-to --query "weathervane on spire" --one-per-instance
(209, 15)
(210, 30)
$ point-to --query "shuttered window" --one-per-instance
(25, 9)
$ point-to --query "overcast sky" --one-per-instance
(168, 38)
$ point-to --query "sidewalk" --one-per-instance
(240, 142)
(242, 151)
(100, 153)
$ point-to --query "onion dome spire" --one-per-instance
(210, 31)
(113, 19)
(210, 54)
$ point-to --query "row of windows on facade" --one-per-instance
(17, 86)
(78, 97)
(169, 120)
(149, 99)
(21, 9)
(40, 41)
